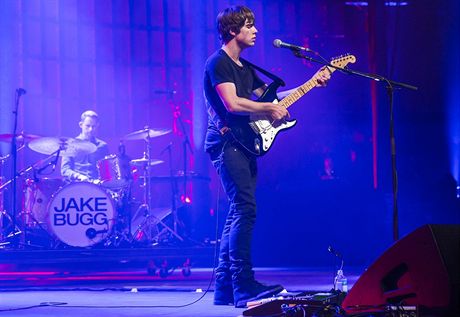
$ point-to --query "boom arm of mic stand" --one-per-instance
(356, 72)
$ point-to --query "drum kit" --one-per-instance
(84, 214)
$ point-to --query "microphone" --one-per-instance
(280, 44)
(21, 91)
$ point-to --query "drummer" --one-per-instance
(82, 167)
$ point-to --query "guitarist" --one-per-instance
(229, 83)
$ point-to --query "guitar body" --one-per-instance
(259, 134)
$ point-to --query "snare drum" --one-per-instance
(81, 214)
(37, 194)
(114, 172)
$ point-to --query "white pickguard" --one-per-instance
(268, 129)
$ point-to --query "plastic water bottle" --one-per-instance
(340, 282)
(344, 283)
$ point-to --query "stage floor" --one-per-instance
(137, 293)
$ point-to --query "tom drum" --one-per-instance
(114, 172)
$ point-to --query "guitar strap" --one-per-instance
(265, 72)
(226, 131)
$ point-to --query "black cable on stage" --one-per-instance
(44, 304)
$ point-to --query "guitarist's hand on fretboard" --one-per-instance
(322, 76)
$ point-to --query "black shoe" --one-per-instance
(245, 292)
(223, 298)
(223, 293)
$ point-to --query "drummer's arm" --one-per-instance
(67, 170)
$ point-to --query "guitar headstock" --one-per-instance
(343, 60)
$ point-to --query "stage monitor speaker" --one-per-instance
(421, 269)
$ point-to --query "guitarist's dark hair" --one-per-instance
(233, 19)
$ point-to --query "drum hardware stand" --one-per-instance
(124, 196)
(174, 188)
(150, 220)
(3, 213)
(122, 233)
(16, 231)
(174, 192)
(6, 232)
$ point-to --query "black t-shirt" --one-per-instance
(220, 68)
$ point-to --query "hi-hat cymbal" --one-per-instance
(145, 134)
(20, 136)
(68, 146)
(144, 162)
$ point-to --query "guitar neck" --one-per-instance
(302, 90)
(298, 93)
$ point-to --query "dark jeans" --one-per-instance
(238, 173)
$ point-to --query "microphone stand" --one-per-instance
(19, 93)
(174, 193)
(185, 144)
(391, 85)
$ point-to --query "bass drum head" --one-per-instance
(81, 214)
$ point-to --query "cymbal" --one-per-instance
(145, 134)
(144, 162)
(68, 146)
(21, 136)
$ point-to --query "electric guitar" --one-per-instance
(258, 135)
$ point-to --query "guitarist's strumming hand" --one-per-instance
(277, 112)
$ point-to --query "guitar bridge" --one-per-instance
(254, 127)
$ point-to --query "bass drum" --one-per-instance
(81, 214)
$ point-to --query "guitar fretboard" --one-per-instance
(298, 93)
(340, 61)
